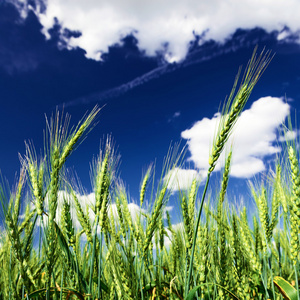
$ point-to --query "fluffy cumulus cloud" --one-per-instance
(87, 202)
(181, 179)
(253, 138)
(166, 26)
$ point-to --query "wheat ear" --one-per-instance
(255, 68)
(295, 205)
(77, 134)
(231, 112)
(152, 223)
(144, 185)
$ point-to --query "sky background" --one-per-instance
(159, 69)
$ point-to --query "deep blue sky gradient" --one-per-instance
(140, 94)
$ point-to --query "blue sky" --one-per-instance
(160, 70)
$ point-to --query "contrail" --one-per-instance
(207, 54)
(122, 89)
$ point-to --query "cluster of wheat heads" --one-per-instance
(55, 246)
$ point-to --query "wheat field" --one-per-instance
(53, 245)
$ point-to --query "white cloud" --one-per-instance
(288, 136)
(87, 202)
(181, 179)
(167, 208)
(200, 140)
(163, 24)
(179, 227)
(253, 137)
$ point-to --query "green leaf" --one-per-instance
(104, 287)
(64, 247)
(153, 284)
(286, 289)
(68, 291)
(192, 294)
